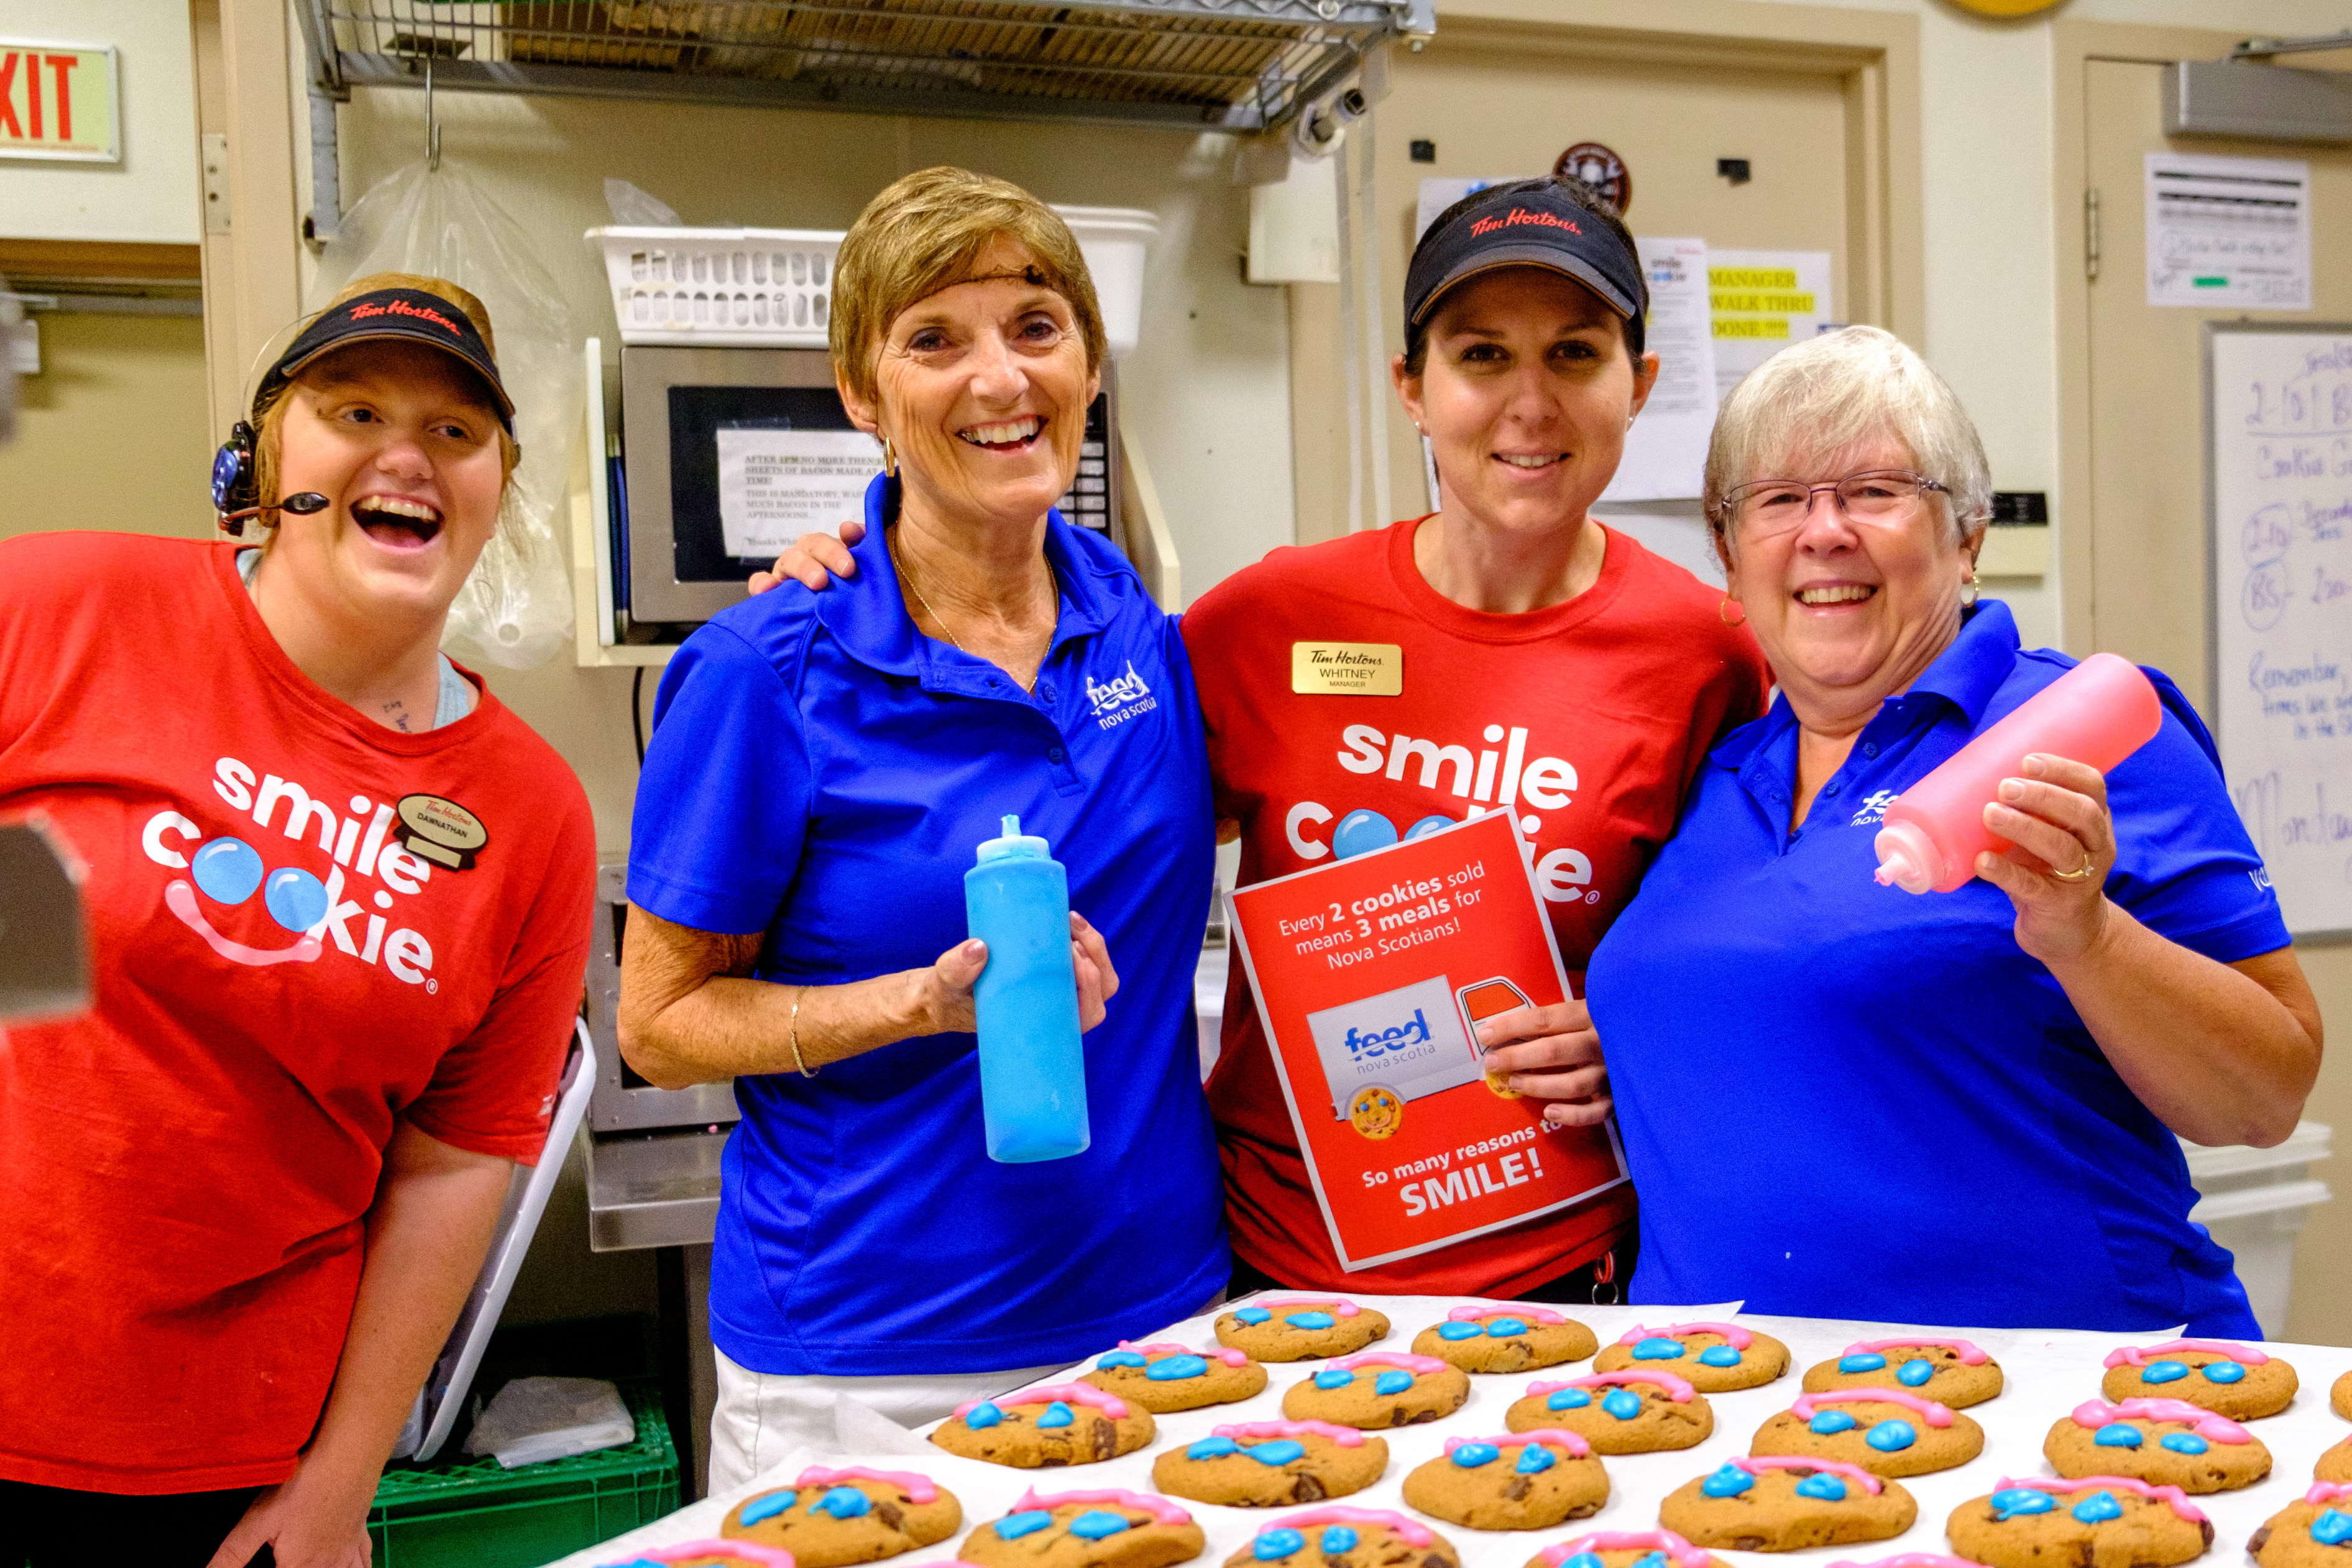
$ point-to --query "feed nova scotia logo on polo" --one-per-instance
(1120, 699)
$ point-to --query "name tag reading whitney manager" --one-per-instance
(1347, 669)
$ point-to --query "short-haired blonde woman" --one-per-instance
(242, 1198)
(822, 769)
(1840, 1100)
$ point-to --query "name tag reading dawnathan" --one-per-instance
(1347, 669)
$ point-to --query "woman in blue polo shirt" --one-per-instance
(1840, 1100)
(822, 770)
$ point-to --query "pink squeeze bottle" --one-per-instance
(2099, 712)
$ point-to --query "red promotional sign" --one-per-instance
(1371, 975)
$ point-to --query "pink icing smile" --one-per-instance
(1259, 1431)
(1928, 1410)
(2327, 1492)
(2214, 1429)
(1969, 1356)
(1414, 1534)
(2171, 1495)
(1735, 1337)
(2134, 1355)
(919, 1489)
(1341, 1307)
(1683, 1554)
(1046, 1394)
(1854, 1473)
(1161, 1511)
(1403, 1361)
(1675, 1388)
(742, 1550)
(1230, 1357)
(1550, 1436)
(1480, 1314)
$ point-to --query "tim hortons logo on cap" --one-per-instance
(1521, 215)
(403, 308)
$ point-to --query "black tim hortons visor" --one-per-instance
(407, 314)
(1528, 223)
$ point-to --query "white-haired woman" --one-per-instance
(1840, 1100)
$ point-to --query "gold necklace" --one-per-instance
(900, 563)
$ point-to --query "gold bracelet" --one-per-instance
(793, 1036)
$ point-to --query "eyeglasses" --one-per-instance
(1764, 509)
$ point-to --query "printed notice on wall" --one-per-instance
(1371, 975)
(2229, 233)
(1665, 452)
(777, 484)
(1761, 301)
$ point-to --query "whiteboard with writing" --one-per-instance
(2279, 408)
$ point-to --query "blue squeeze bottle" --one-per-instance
(1033, 1072)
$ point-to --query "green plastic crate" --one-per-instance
(469, 1513)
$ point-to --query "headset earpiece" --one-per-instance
(235, 482)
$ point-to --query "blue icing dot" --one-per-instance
(1310, 1320)
(1334, 1378)
(1274, 1545)
(1868, 1361)
(1823, 1486)
(1728, 1481)
(1392, 1382)
(1470, 1456)
(2183, 1443)
(1459, 1331)
(1119, 1358)
(2332, 1527)
(1176, 1367)
(1503, 1328)
(1718, 1355)
(1534, 1459)
(1251, 1315)
(1830, 1422)
(1624, 1404)
(228, 870)
(1656, 1348)
(1915, 1372)
(2117, 1436)
(1892, 1437)
(1213, 1448)
(1359, 831)
(2163, 1372)
(984, 1415)
(2224, 1372)
(1057, 1415)
(1028, 1521)
(1568, 1399)
(295, 899)
(2016, 1502)
(1276, 1453)
(844, 1502)
(1336, 1540)
(767, 1507)
(2097, 1508)
(1582, 1560)
(1094, 1524)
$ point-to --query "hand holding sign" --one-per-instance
(1552, 1053)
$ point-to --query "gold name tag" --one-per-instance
(1347, 669)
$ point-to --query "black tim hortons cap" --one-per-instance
(1528, 223)
(407, 314)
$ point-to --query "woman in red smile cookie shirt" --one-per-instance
(243, 1196)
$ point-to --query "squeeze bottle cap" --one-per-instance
(1908, 857)
(1013, 845)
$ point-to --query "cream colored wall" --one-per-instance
(153, 193)
(112, 433)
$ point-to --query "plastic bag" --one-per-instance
(515, 609)
(534, 1419)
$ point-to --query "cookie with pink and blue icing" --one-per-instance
(1342, 1537)
(1269, 1464)
(1037, 1428)
(830, 1518)
(2239, 1381)
(1714, 1358)
(1624, 1549)
(1299, 1328)
(1163, 1377)
(2167, 1441)
(1376, 1388)
(2334, 1464)
(1952, 1372)
(709, 1554)
(2092, 1522)
(1107, 1529)
(1783, 1504)
(1519, 1481)
(2315, 1533)
(1643, 1412)
(1517, 1338)
(1885, 1430)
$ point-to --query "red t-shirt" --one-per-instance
(1590, 718)
(185, 1170)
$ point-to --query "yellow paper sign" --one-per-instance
(1347, 669)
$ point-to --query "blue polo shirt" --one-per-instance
(821, 773)
(1840, 1100)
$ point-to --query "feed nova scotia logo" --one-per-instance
(1120, 699)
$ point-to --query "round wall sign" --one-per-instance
(1591, 163)
(2008, 8)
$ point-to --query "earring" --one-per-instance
(889, 458)
(1721, 612)
(1968, 589)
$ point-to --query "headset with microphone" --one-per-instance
(237, 485)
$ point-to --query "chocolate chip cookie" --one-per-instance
(2339, 1398)
(1623, 1549)
(1299, 1328)
(2335, 1464)
(1039, 1428)
(1379, 1388)
(1165, 1377)
(1107, 1529)
(2106, 1521)
(1522, 1480)
(1885, 1430)
(1506, 1339)
(828, 1519)
(1640, 1412)
(1339, 1537)
(1267, 1464)
(1786, 1505)
(2166, 1441)
(1714, 1358)
(2314, 1534)
(1952, 1372)
(2233, 1380)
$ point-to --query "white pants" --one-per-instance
(760, 1416)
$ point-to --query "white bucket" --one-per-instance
(1113, 241)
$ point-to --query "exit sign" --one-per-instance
(59, 102)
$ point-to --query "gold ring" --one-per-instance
(2080, 872)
